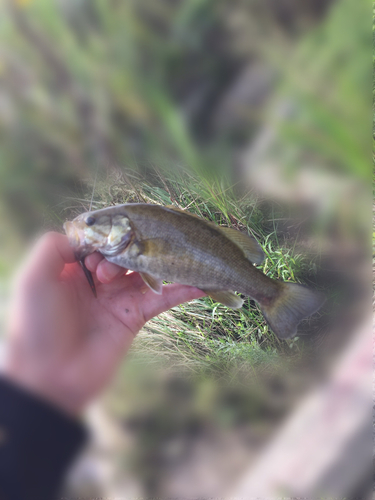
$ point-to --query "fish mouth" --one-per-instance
(72, 234)
(76, 240)
(89, 276)
(80, 252)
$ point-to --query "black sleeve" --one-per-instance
(37, 444)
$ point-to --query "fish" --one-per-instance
(165, 243)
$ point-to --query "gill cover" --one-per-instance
(106, 234)
(119, 236)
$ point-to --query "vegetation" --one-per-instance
(144, 96)
(116, 93)
(251, 114)
(205, 336)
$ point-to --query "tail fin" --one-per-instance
(292, 305)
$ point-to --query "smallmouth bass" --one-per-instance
(166, 243)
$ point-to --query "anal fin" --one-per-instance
(155, 284)
(226, 297)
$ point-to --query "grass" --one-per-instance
(204, 336)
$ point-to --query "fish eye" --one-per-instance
(90, 221)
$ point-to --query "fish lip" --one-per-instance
(89, 276)
(80, 254)
(73, 234)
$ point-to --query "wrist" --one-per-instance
(43, 387)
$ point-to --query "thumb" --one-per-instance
(49, 256)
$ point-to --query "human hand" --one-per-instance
(64, 344)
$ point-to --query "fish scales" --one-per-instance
(205, 257)
(165, 243)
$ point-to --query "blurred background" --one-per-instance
(254, 114)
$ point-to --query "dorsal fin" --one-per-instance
(180, 210)
(249, 245)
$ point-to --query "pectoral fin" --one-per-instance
(226, 297)
(154, 247)
(154, 283)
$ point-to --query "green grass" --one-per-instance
(204, 336)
